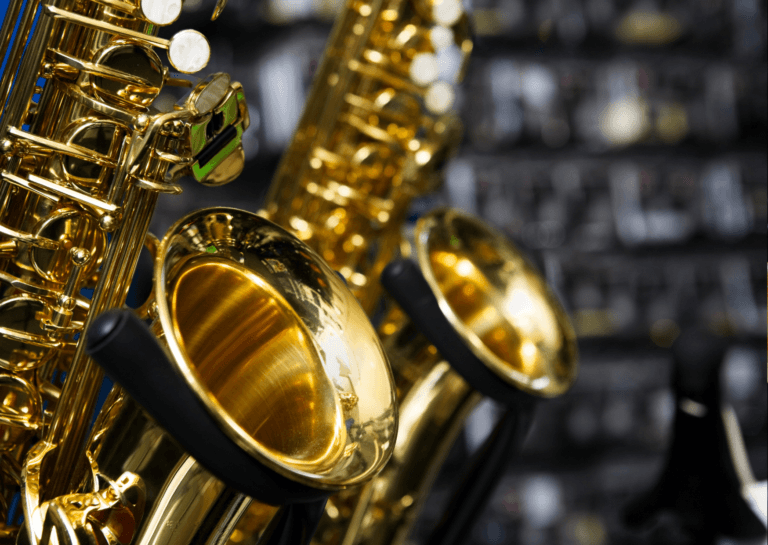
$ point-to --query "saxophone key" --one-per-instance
(28, 238)
(20, 413)
(99, 206)
(376, 72)
(24, 344)
(39, 144)
(71, 228)
(163, 187)
(58, 320)
(110, 82)
(160, 12)
(188, 51)
(100, 70)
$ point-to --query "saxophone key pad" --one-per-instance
(439, 97)
(424, 69)
(161, 12)
(188, 51)
(441, 37)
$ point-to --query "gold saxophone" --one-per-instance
(86, 151)
(374, 131)
(85, 155)
(373, 134)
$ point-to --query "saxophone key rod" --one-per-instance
(82, 167)
(69, 424)
(28, 64)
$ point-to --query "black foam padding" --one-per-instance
(406, 285)
(481, 478)
(129, 353)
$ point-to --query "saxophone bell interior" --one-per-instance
(268, 376)
(276, 347)
(497, 303)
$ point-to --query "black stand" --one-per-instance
(699, 485)
(404, 282)
(129, 353)
(479, 481)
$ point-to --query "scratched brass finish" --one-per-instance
(84, 153)
(276, 347)
(376, 128)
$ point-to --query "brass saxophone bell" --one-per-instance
(276, 381)
(276, 347)
(497, 303)
(473, 319)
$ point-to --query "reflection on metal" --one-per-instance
(497, 302)
(373, 136)
(84, 157)
(276, 347)
(504, 312)
(375, 129)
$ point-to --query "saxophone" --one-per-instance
(376, 128)
(86, 150)
(474, 318)
(281, 392)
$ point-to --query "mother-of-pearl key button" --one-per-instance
(188, 51)
(161, 12)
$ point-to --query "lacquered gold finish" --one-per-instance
(374, 131)
(497, 302)
(256, 324)
(169, 503)
(85, 153)
(277, 348)
(266, 335)
(289, 406)
(503, 310)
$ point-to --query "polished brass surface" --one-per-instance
(506, 314)
(497, 302)
(374, 132)
(84, 154)
(276, 347)
(258, 362)
(267, 336)
(375, 129)
(255, 322)
(179, 495)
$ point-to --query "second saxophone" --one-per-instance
(376, 129)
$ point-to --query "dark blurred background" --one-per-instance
(623, 145)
